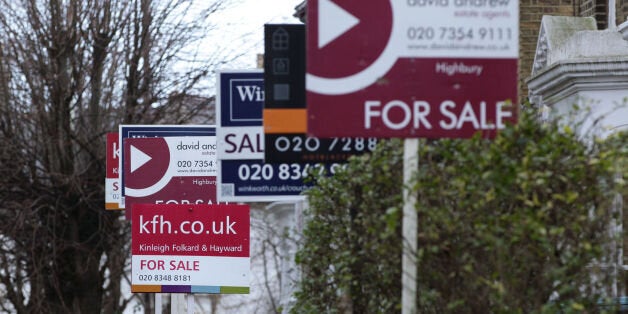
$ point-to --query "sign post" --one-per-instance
(190, 249)
(170, 170)
(112, 182)
(243, 174)
(411, 69)
(409, 227)
(285, 113)
(167, 164)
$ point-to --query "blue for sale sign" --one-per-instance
(241, 98)
(242, 174)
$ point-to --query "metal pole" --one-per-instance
(611, 19)
(409, 228)
(177, 303)
(158, 303)
(190, 303)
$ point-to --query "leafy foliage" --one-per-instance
(517, 224)
(514, 224)
(351, 253)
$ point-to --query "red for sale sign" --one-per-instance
(112, 174)
(190, 248)
(411, 68)
(169, 170)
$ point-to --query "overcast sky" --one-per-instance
(237, 34)
(243, 22)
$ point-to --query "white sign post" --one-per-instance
(427, 69)
(409, 228)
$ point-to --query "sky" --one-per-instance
(237, 34)
(242, 24)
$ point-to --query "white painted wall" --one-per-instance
(610, 107)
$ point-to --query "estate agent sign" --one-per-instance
(190, 248)
(411, 68)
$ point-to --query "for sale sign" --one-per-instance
(240, 101)
(158, 131)
(112, 176)
(170, 170)
(243, 174)
(411, 68)
(164, 170)
(190, 248)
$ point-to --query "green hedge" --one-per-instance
(509, 225)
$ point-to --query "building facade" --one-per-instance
(532, 11)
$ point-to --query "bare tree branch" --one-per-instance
(71, 71)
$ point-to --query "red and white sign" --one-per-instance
(112, 175)
(190, 248)
(169, 170)
(411, 68)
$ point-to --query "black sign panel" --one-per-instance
(302, 148)
(284, 65)
(285, 107)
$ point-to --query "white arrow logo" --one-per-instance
(333, 21)
(138, 158)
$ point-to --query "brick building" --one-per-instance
(531, 12)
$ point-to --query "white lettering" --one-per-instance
(458, 68)
(250, 93)
(444, 106)
(154, 222)
(467, 115)
(397, 115)
(406, 114)
(483, 123)
(417, 114)
(369, 113)
(501, 114)
(421, 110)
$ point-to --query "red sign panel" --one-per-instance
(194, 230)
(190, 248)
(169, 170)
(112, 173)
(413, 68)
